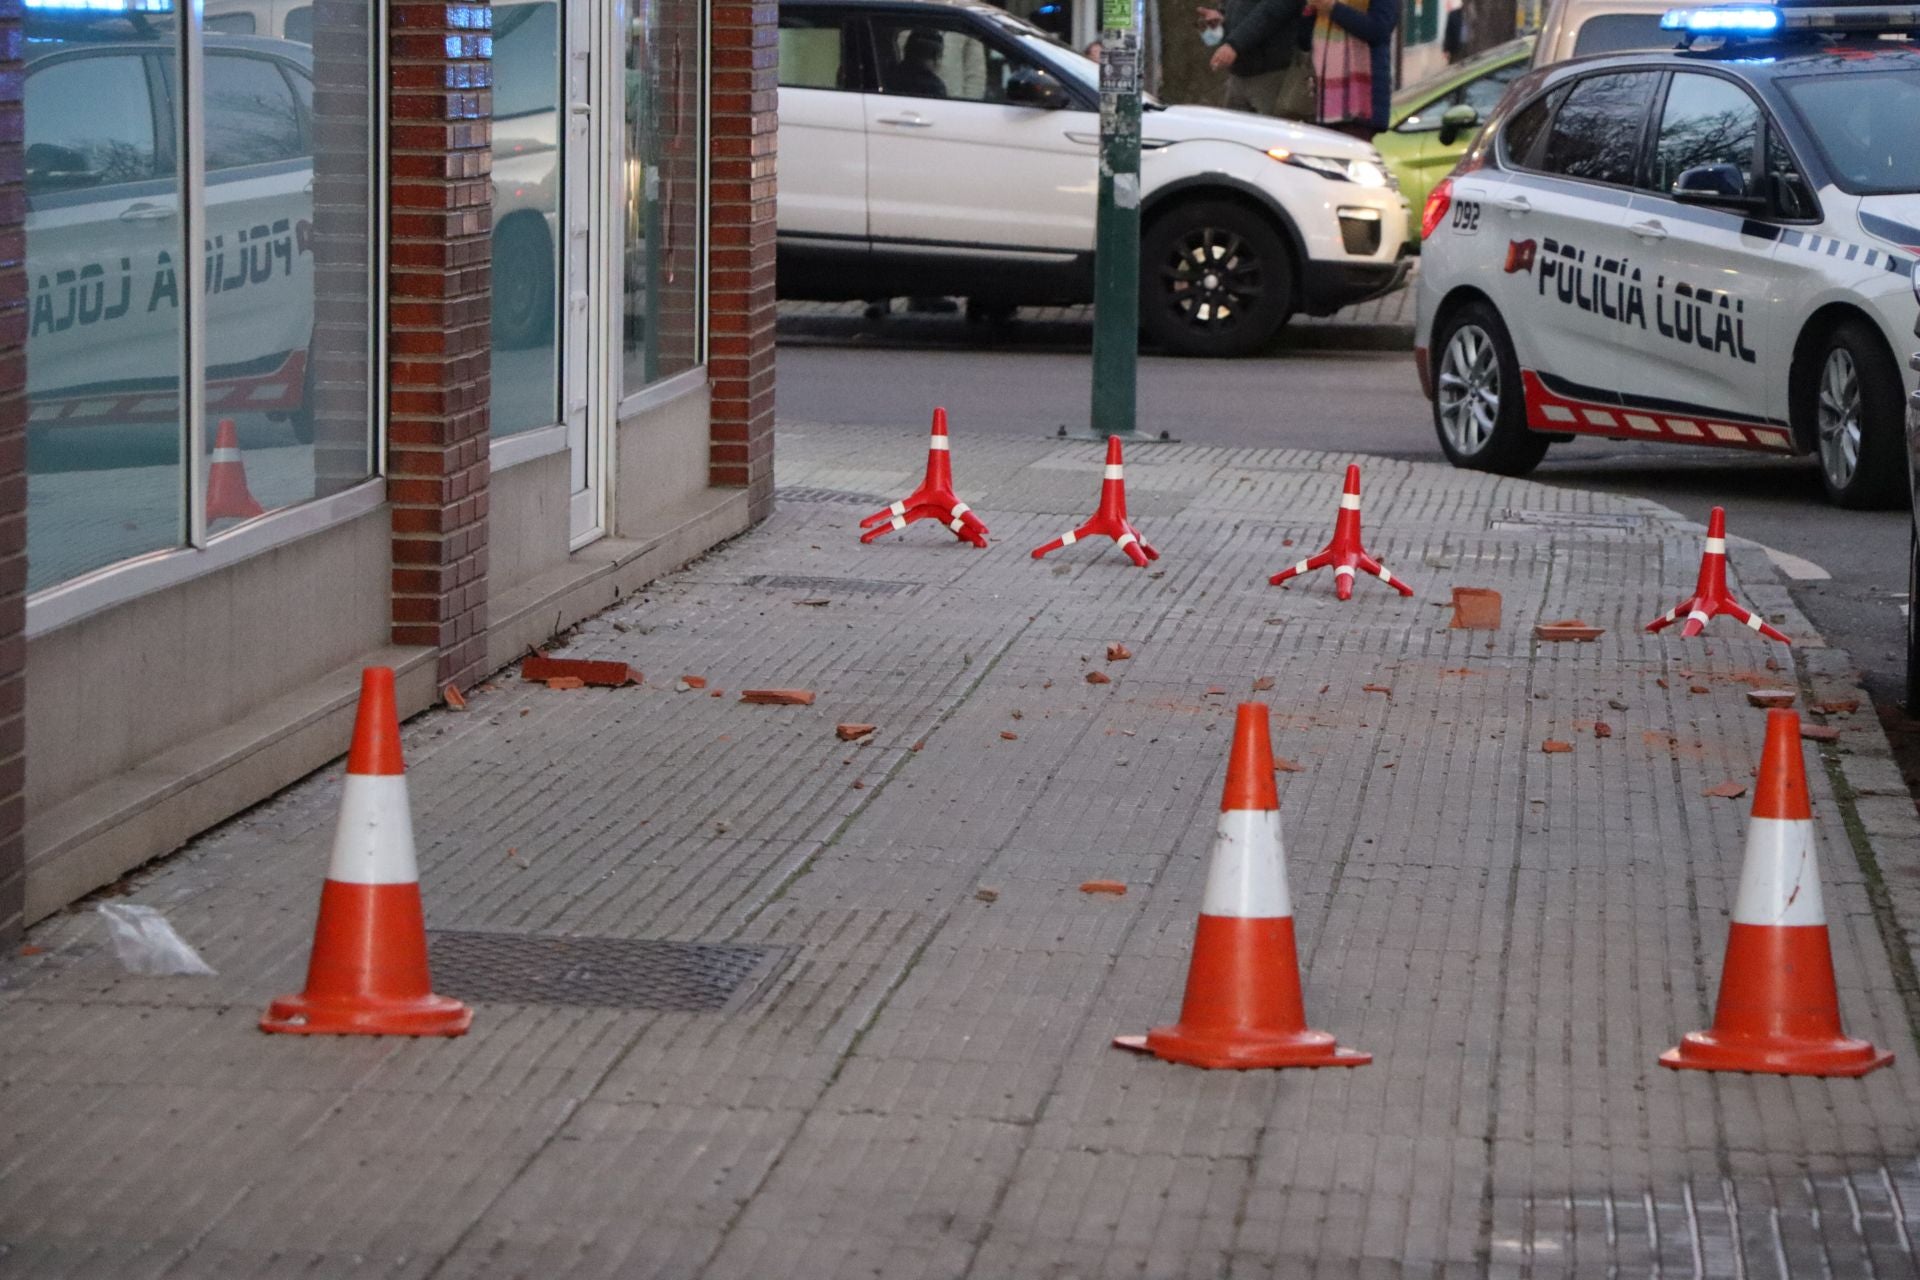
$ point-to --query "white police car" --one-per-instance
(1713, 245)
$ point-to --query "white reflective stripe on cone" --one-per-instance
(1114, 471)
(1384, 575)
(1716, 546)
(1340, 569)
(899, 522)
(938, 442)
(1248, 879)
(1699, 616)
(1068, 539)
(898, 508)
(1301, 567)
(225, 455)
(959, 509)
(1753, 622)
(374, 842)
(1780, 883)
(1124, 539)
(1349, 502)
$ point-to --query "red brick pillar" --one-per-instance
(740, 292)
(441, 224)
(13, 483)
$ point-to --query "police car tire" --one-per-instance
(1178, 336)
(1510, 449)
(1913, 622)
(523, 253)
(1880, 474)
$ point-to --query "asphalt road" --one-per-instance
(1366, 402)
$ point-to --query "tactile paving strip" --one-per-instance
(608, 973)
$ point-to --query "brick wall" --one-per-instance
(438, 282)
(13, 482)
(741, 301)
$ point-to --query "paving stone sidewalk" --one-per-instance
(913, 1081)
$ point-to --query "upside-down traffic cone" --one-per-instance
(1110, 519)
(368, 972)
(227, 493)
(1710, 594)
(1779, 1010)
(933, 500)
(1242, 1007)
(1345, 553)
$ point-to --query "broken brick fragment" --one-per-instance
(1771, 697)
(1114, 887)
(1726, 791)
(1118, 653)
(694, 682)
(1475, 609)
(1009, 735)
(1099, 677)
(1263, 684)
(1601, 729)
(853, 732)
(1698, 688)
(1377, 688)
(1553, 748)
(566, 682)
(1820, 732)
(1837, 706)
(609, 675)
(1576, 629)
(455, 700)
(778, 697)
(986, 893)
(1283, 765)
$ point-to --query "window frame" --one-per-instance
(1769, 132)
(200, 552)
(960, 19)
(855, 42)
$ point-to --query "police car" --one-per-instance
(1712, 245)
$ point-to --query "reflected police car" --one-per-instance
(1713, 245)
(103, 220)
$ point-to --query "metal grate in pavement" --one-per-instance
(1511, 520)
(805, 493)
(809, 582)
(607, 973)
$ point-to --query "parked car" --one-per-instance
(102, 226)
(1433, 121)
(1576, 28)
(1708, 246)
(947, 147)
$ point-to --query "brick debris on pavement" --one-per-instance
(753, 1000)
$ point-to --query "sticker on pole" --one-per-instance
(1116, 15)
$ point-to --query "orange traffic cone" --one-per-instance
(1243, 1004)
(1779, 1011)
(227, 493)
(368, 972)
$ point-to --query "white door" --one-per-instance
(951, 162)
(591, 116)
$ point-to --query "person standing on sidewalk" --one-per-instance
(1353, 63)
(1255, 43)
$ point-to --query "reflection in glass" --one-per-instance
(663, 183)
(526, 207)
(286, 136)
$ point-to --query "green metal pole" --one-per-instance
(1116, 256)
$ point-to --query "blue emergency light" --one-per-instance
(1762, 21)
(100, 6)
(1725, 20)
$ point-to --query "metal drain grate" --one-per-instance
(806, 582)
(1532, 520)
(803, 493)
(607, 973)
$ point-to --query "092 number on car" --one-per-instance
(1466, 216)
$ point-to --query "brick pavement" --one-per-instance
(920, 1083)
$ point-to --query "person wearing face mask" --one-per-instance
(1255, 44)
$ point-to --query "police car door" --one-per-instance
(1569, 284)
(1704, 243)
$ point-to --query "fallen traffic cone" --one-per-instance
(227, 493)
(1779, 1011)
(934, 499)
(1242, 1007)
(1710, 594)
(1111, 518)
(1345, 553)
(368, 972)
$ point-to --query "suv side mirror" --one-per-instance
(1032, 87)
(1716, 184)
(1456, 120)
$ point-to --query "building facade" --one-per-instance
(342, 332)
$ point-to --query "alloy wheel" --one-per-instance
(1213, 278)
(1838, 418)
(1469, 390)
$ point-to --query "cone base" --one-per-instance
(428, 1015)
(1242, 1051)
(1709, 1051)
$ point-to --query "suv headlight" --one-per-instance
(1362, 173)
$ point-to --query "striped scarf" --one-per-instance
(1344, 65)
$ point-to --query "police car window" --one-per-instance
(814, 52)
(1596, 133)
(1529, 125)
(1706, 121)
(1863, 122)
(89, 123)
(1621, 33)
(251, 116)
(1786, 186)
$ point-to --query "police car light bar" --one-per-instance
(1724, 20)
(101, 6)
(1734, 21)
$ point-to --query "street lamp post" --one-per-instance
(1116, 258)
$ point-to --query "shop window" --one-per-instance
(526, 217)
(665, 191)
(281, 364)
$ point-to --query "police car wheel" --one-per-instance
(522, 284)
(1855, 404)
(1913, 623)
(1215, 280)
(1478, 412)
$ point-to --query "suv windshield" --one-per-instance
(1865, 134)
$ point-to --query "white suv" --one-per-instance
(947, 147)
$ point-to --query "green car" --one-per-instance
(1433, 121)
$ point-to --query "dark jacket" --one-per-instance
(1263, 34)
(1375, 26)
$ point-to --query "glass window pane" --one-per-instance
(665, 148)
(300, 25)
(813, 52)
(526, 214)
(252, 117)
(103, 324)
(931, 57)
(1596, 132)
(1706, 120)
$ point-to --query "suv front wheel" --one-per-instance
(1215, 280)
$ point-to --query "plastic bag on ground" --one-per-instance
(147, 944)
